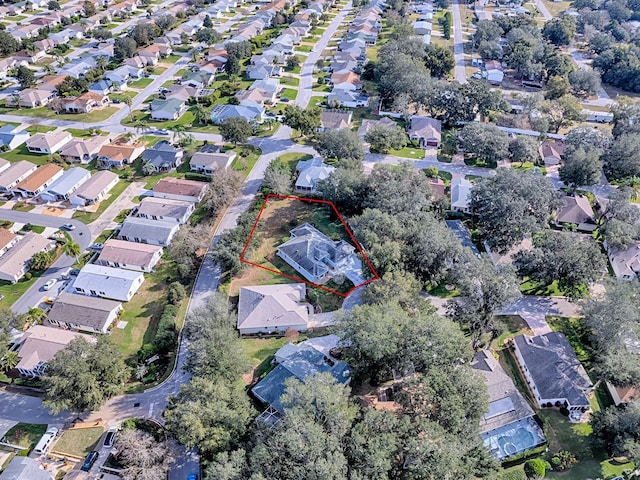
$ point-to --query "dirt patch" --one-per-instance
(53, 211)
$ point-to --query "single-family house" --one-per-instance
(163, 156)
(180, 189)
(82, 150)
(577, 210)
(12, 137)
(48, 143)
(461, 195)
(101, 87)
(270, 308)
(551, 152)
(7, 240)
(493, 72)
(334, 120)
(85, 103)
(254, 114)
(66, 185)
(87, 314)
(95, 189)
(13, 175)
(622, 395)
(32, 97)
(4, 165)
(108, 282)
(318, 258)
(422, 27)
(36, 183)
(508, 411)
(553, 372)
(197, 79)
(118, 155)
(368, 124)
(625, 262)
(165, 210)
(208, 163)
(346, 81)
(25, 468)
(143, 230)
(425, 130)
(150, 54)
(24, 56)
(80, 67)
(16, 260)
(130, 255)
(167, 108)
(304, 363)
(347, 98)
(310, 173)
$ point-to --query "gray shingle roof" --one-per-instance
(90, 312)
(554, 367)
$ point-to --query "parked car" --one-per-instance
(69, 226)
(110, 438)
(49, 284)
(162, 132)
(49, 300)
(74, 271)
(96, 247)
(115, 100)
(89, 461)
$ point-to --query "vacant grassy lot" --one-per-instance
(25, 434)
(88, 217)
(44, 112)
(142, 312)
(141, 83)
(78, 441)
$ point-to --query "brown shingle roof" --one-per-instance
(39, 177)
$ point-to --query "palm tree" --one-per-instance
(35, 315)
(102, 63)
(178, 132)
(127, 101)
(9, 361)
(71, 248)
(200, 114)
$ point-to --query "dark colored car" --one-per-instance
(89, 461)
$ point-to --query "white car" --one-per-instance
(49, 284)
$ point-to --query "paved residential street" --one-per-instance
(81, 235)
(458, 43)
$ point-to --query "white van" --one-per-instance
(46, 441)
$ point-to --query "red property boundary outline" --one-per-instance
(335, 210)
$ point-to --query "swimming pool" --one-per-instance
(514, 438)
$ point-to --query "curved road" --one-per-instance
(81, 235)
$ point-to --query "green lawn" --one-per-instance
(141, 83)
(78, 441)
(88, 217)
(39, 129)
(44, 112)
(172, 58)
(23, 207)
(21, 153)
(142, 313)
(292, 159)
(304, 48)
(124, 95)
(292, 81)
(289, 93)
(25, 434)
(13, 291)
(158, 70)
(408, 152)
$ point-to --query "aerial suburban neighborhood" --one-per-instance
(319, 239)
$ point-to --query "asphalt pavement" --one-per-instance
(458, 44)
(81, 235)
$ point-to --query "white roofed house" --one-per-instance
(48, 142)
(625, 262)
(108, 282)
(165, 210)
(12, 137)
(208, 163)
(271, 308)
(310, 173)
(82, 150)
(15, 262)
(130, 255)
(461, 195)
(143, 230)
(88, 314)
(14, 174)
(66, 185)
(95, 189)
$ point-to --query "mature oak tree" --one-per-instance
(580, 167)
(343, 145)
(512, 205)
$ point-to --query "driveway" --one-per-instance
(5, 426)
(124, 201)
(81, 235)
